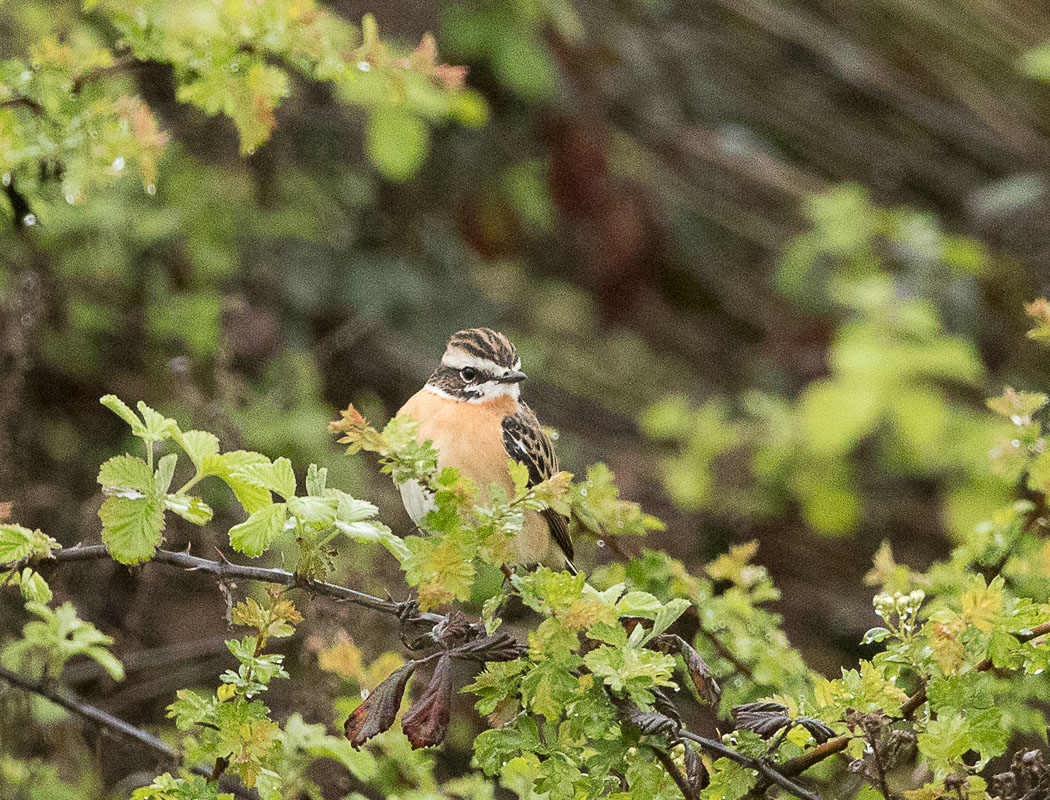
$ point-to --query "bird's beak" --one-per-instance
(514, 376)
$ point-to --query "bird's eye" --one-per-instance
(468, 374)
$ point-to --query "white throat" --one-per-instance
(490, 390)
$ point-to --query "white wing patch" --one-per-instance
(418, 501)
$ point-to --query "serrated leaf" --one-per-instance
(377, 713)
(426, 722)
(668, 614)
(316, 479)
(639, 604)
(122, 410)
(165, 472)
(277, 477)
(32, 585)
(228, 466)
(199, 445)
(376, 532)
(191, 509)
(127, 473)
(18, 542)
(255, 534)
(313, 510)
(132, 528)
(158, 427)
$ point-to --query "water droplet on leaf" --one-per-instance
(601, 543)
(118, 163)
(364, 66)
(29, 219)
(151, 189)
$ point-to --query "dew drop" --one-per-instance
(1016, 419)
(583, 492)
(235, 66)
(29, 219)
(71, 199)
(151, 189)
(6, 179)
(118, 163)
(27, 320)
(601, 543)
(1016, 442)
(364, 66)
(1038, 671)
(364, 694)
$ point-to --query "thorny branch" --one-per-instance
(106, 721)
(226, 570)
(800, 764)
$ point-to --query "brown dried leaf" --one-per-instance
(765, 719)
(501, 647)
(695, 771)
(426, 722)
(377, 713)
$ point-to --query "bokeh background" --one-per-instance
(764, 258)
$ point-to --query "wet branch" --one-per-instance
(108, 722)
(225, 570)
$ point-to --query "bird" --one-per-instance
(471, 411)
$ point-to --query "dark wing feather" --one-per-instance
(527, 444)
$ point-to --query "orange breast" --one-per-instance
(469, 437)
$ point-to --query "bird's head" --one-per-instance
(479, 364)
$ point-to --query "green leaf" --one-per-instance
(256, 533)
(32, 585)
(396, 142)
(132, 528)
(316, 478)
(191, 509)
(313, 510)
(667, 615)
(126, 474)
(639, 604)
(276, 477)
(199, 445)
(228, 467)
(379, 533)
(17, 542)
(165, 472)
(158, 427)
(121, 409)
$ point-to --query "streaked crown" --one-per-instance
(478, 364)
(483, 344)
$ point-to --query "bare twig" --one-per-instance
(226, 570)
(765, 769)
(796, 766)
(108, 722)
(676, 774)
(26, 102)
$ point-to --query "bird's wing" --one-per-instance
(527, 444)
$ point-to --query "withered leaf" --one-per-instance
(455, 627)
(765, 719)
(817, 729)
(695, 771)
(501, 647)
(665, 705)
(651, 722)
(699, 672)
(426, 722)
(377, 713)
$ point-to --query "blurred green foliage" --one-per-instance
(769, 283)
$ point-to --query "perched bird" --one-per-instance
(470, 409)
